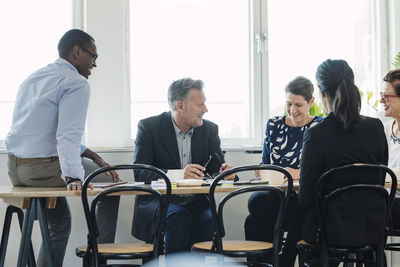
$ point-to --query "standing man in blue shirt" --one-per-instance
(44, 143)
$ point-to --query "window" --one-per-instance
(309, 32)
(30, 32)
(209, 40)
(246, 52)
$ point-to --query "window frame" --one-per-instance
(110, 95)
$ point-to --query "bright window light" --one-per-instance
(30, 32)
(302, 34)
(207, 40)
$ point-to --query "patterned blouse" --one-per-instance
(283, 143)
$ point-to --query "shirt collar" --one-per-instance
(179, 131)
(65, 62)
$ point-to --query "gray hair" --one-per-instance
(178, 90)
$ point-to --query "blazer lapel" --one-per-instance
(168, 139)
(197, 145)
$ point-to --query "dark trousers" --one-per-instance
(259, 225)
(187, 224)
(396, 214)
(264, 208)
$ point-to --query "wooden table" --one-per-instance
(36, 199)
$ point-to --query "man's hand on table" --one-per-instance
(99, 161)
(75, 184)
(226, 167)
(194, 171)
(114, 174)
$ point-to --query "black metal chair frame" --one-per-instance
(393, 246)
(92, 253)
(321, 201)
(217, 215)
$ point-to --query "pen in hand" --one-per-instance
(221, 162)
(219, 159)
(205, 166)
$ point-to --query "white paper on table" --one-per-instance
(105, 185)
(190, 182)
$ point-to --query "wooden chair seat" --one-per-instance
(119, 248)
(93, 253)
(234, 246)
(254, 251)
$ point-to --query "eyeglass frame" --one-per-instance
(94, 55)
(385, 97)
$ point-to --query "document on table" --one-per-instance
(181, 183)
(105, 185)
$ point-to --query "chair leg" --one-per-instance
(347, 260)
(301, 258)
(380, 254)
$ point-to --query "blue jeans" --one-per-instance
(187, 224)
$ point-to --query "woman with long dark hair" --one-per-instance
(343, 137)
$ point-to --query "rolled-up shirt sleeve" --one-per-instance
(73, 105)
(83, 148)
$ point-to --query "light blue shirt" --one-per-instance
(184, 142)
(50, 115)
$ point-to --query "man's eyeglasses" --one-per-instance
(94, 55)
(385, 96)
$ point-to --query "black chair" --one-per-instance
(95, 254)
(253, 250)
(392, 245)
(352, 208)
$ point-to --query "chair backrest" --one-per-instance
(354, 212)
(90, 210)
(284, 196)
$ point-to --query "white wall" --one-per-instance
(236, 211)
(107, 22)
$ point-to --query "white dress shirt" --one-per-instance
(50, 115)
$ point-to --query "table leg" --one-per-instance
(45, 232)
(31, 262)
(6, 232)
(35, 212)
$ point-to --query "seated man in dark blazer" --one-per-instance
(179, 139)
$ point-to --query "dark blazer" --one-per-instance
(156, 145)
(328, 145)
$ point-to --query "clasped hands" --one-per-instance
(196, 171)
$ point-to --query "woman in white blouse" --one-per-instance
(390, 98)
